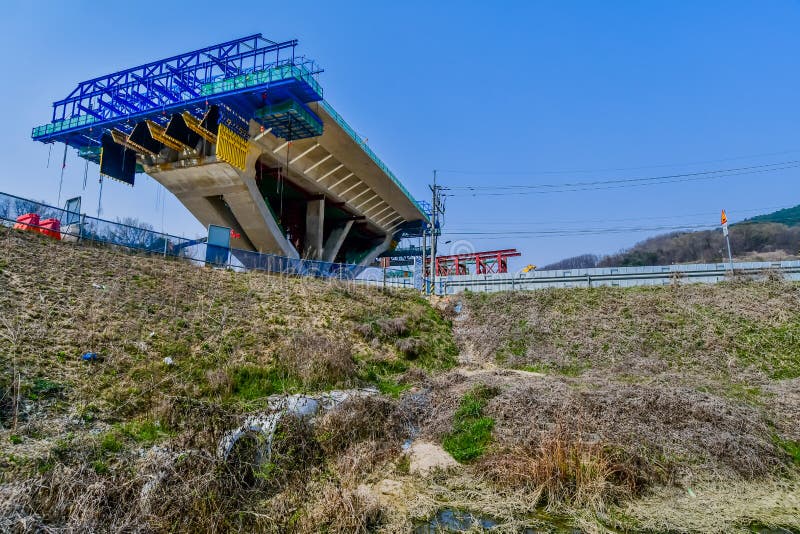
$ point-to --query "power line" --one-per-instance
(620, 183)
(585, 231)
(766, 166)
(621, 186)
(637, 168)
(715, 214)
(619, 230)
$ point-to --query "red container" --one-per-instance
(29, 221)
(51, 228)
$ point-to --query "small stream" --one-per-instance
(451, 520)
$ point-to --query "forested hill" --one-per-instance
(766, 237)
(787, 216)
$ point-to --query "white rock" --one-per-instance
(425, 457)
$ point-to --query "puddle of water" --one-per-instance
(448, 520)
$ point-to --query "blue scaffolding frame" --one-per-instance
(245, 74)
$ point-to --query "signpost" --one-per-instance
(724, 223)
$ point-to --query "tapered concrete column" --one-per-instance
(377, 251)
(335, 241)
(218, 193)
(315, 221)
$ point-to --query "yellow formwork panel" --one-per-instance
(122, 139)
(157, 132)
(231, 148)
(194, 125)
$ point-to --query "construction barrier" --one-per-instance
(51, 228)
(28, 221)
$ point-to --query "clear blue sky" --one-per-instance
(514, 93)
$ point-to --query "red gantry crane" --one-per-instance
(488, 262)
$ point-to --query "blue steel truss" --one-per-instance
(246, 74)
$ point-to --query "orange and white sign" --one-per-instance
(723, 220)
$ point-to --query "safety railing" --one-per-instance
(66, 124)
(81, 227)
(273, 74)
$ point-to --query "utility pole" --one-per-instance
(434, 208)
(424, 257)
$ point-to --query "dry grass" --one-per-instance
(72, 467)
(720, 507)
(320, 361)
(342, 511)
(739, 331)
(564, 470)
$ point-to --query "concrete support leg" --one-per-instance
(212, 210)
(335, 241)
(217, 193)
(315, 220)
(377, 251)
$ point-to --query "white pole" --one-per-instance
(728, 240)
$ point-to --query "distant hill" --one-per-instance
(787, 216)
(765, 237)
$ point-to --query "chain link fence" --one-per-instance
(81, 227)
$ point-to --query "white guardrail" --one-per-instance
(708, 273)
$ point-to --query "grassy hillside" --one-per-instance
(634, 410)
(787, 216)
(694, 390)
(80, 428)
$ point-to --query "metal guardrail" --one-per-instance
(615, 276)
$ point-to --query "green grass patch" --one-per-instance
(43, 388)
(100, 467)
(776, 349)
(15, 439)
(251, 382)
(384, 375)
(472, 431)
(792, 448)
(145, 432)
(175, 349)
(110, 443)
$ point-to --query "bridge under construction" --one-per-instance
(240, 133)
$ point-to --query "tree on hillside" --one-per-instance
(708, 246)
(583, 261)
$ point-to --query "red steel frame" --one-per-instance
(488, 262)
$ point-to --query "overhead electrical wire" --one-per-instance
(616, 169)
(615, 230)
(710, 214)
(526, 189)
